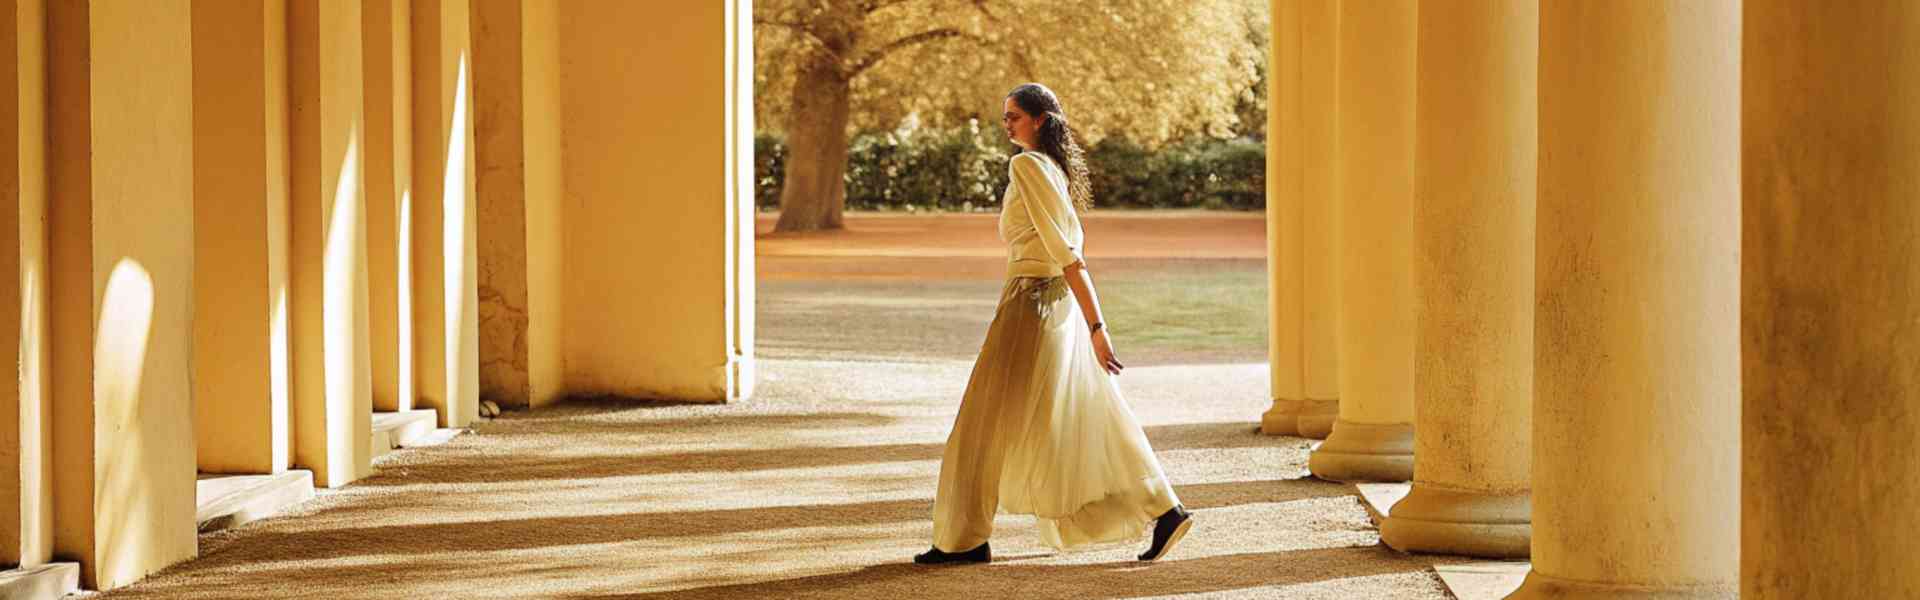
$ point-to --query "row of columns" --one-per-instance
(242, 226)
(1556, 228)
(285, 247)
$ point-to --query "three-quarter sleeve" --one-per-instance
(1047, 206)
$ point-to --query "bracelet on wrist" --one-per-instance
(1097, 326)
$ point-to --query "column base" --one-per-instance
(1365, 452)
(1441, 521)
(1282, 419)
(1317, 417)
(1546, 587)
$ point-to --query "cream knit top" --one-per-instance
(1037, 220)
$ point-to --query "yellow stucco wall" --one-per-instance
(240, 374)
(25, 493)
(386, 38)
(644, 103)
(446, 321)
(332, 386)
(121, 225)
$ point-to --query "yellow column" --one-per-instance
(1319, 47)
(1283, 223)
(333, 406)
(517, 135)
(1474, 162)
(1637, 330)
(120, 182)
(1830, 288)
(387, 47)
(240, 370)
(26, 494)
(446, 324)
(648, 220)
(1300, 226)
(1373, 438)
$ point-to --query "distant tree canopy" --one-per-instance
(1147, 70)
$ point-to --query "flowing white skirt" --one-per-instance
(1043, 430)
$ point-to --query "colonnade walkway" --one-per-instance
(821, 486)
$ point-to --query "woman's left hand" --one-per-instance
(1103, 350)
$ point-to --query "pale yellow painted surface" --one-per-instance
(1475, 154)
(1831, 291)
(240, 378)
(332, 391)
(1303, 341)
(1637, 348)
(540, 95)
(386, 38)
(646, 218)
(120, 88)
(446, 322)
(33, 543)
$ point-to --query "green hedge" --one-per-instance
(965, 169)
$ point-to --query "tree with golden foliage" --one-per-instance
(1151, 70)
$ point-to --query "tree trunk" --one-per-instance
(815, 189)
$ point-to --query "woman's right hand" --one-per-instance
(1103, 350)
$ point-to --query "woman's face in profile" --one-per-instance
(1020, 126)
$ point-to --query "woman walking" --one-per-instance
(1043, 428)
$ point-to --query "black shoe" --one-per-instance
(982, 554)
(1167, 531)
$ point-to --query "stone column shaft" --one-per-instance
(120, 281)
(26, 492)
(1473, 269)
(1300, 223)
(387, 49)
(1830, 294)
(1373, 438)
(1636, 330)
(446, 316)
(242, 403)
(332, 384)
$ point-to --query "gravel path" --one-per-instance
(821, 486)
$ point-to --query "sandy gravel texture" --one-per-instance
(821, 486)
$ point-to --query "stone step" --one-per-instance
(228, 501)
(43, 582)
(403, 428)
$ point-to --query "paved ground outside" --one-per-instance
(821, 486)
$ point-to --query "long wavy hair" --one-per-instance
(1055, 139)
